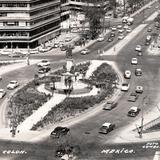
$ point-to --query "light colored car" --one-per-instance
(121, 30)
(110, 105)
(119, 26)
(114, 28)
(2, 93)
(139, 89)
(106, 128)
(138, 72)
(128, 30)
(133, 111)
(43, 63)
(125, 26)
(125, 87)
(138, 48)
(133, 97)
(12, 84)
(127, 74)
(100, 39)
(121, 36)
(134, 61)
(85, 51)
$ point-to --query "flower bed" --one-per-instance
(25, 101)
(72, 106)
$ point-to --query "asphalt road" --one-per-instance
(86, 134)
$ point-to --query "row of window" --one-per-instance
(39, 2)
(44, 18)
(15, 23)
(14, 34)
(13, 4)
(51, 8)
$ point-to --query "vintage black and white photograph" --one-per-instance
(79, 79)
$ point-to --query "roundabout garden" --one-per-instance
(84, 85)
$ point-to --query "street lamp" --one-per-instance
(52, 87)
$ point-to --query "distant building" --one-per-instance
(28, 22)
(79, 4)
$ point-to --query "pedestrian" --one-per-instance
(114, 48)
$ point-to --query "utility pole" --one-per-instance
(28, 54)
(142, 117)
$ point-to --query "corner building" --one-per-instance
(28, 22)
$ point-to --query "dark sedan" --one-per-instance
(59, 131)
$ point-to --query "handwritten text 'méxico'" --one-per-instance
(118, 151)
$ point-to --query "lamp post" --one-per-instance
(28, 54)
(142, 117)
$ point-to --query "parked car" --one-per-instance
(125, 87)
(85, 51)
(109, 105)
(2, 93)
(106, 128)
(138, 72)
(139, 89)
(43, 63)
(133, 111)
(138, 48)
(12, 84)
(133, 97)
(134, 61)
(127, 74)
(59, 131)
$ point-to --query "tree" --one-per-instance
(113, 5)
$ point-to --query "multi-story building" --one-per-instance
(79, 4)
(28, 22)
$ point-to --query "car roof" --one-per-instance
(14, 81)
(106, 124)
(134, 108)
(1, 90)
(138, 69)
(127, 71)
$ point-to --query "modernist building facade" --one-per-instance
(31, 23)
(28, 22)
